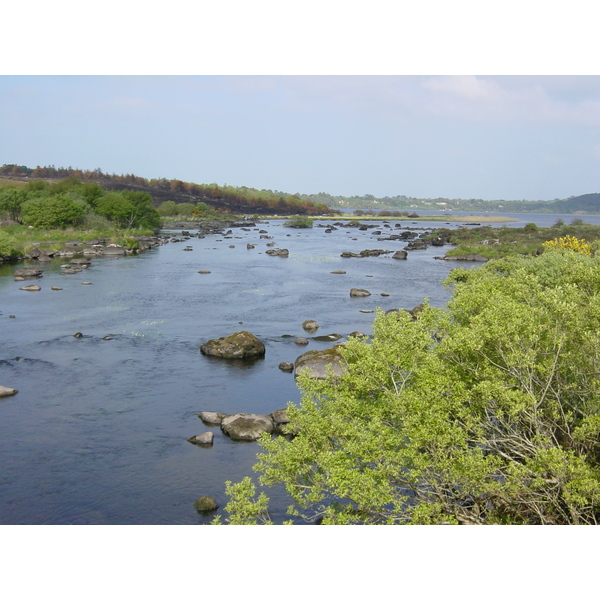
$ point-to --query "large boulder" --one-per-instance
(318, 363)
(246, 427)
(238, 345)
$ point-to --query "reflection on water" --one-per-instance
(98, 430)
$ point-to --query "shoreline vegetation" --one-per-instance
(233, 198)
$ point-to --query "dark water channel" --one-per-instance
(97, 433)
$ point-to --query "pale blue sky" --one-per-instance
(491, 137)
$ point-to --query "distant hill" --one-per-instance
(225, 199)
(585, 204)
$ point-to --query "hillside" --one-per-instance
(585, 204)
(224, 199)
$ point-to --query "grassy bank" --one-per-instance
(16, 240)
(496, 242)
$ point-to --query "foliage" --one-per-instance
(128, 209)
(167, 208)
(496, 242)
(245, 510)
(56, 211)
(486, 412)
(568, 242)
(128, 242)
(8, 246)
(11, 200)
(225, 197)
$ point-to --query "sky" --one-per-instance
(430, 99)
(464, 136)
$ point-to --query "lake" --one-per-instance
(97, 433)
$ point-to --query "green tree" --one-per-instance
(185, 208)
(486, 412)
(128, 209)
(56, 211)
(11, 200)
(167, 208)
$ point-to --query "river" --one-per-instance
(97, 432)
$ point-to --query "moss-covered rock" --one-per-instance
(242, 344)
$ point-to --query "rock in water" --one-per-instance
(4, 391)
(211, 417)
(317, 363)
(310, 325)
(206, 504)
(203, 439)
(246, 427)
(358, 293)
(238, 345)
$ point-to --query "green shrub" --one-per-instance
(8, 246)
(58, 211)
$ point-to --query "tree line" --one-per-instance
(71, 203)
(229, 198)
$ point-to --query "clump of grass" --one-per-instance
(299, 223)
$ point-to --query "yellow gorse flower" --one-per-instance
(568, 242)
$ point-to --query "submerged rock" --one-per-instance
(317, 363)
(332, 337)
(358, 293)
(242, 344)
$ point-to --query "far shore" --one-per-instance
(442, 218)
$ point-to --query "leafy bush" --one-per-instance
(56, 211)
(8, 246)
(487, 412)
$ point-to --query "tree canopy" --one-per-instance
(484, 412)
(71, 202)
